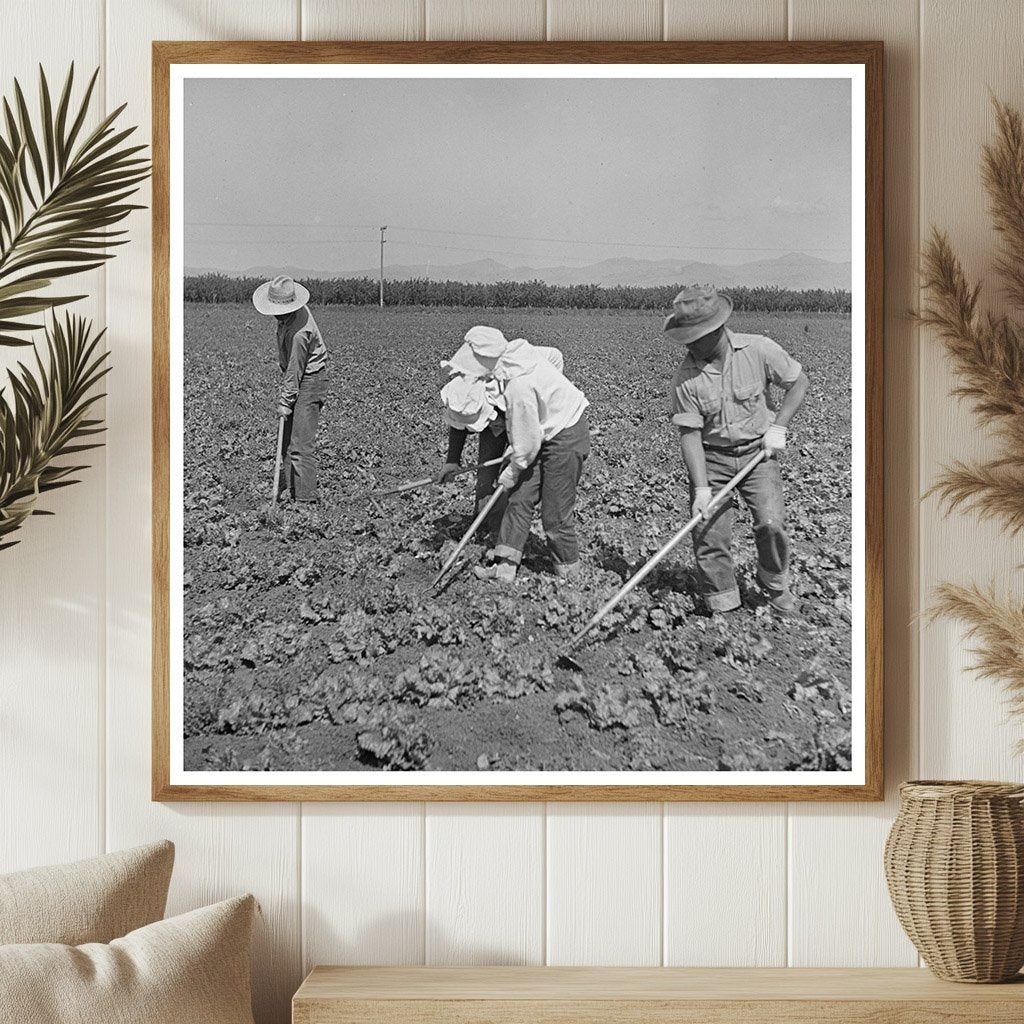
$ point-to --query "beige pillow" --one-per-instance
(191, 969)
(93, 900)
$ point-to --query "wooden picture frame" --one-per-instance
(868, 56)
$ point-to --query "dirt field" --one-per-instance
(310, 642)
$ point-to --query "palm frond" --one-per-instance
(62, 191)
(46, 419)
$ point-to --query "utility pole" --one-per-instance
(382, 230)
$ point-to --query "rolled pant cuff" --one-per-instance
(509, 554)
(723, 600)
(773, 580)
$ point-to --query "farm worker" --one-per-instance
(548, 431)
(474, 402)
(719, 402)
(303, 358)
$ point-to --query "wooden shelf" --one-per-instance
(643, 995)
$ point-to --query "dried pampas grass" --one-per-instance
(987, 354)
(997, 629)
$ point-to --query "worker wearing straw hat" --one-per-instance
(474, 403)
(302, 356)
(719, 402)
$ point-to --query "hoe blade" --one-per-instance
(566, 660)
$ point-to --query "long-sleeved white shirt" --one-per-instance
(540, 401)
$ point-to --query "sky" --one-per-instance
(536, 172)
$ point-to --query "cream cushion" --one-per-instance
(191, 969)
(93, 900)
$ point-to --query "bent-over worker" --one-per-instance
(474, 403)
(549, 434)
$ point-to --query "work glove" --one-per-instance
(701, 502)
(283, 411)
(446, 472)
(507, 478)
(774, 440)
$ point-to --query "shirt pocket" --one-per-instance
(751, 416)
(709, 401)
(747, 392)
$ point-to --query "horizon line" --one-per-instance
(442, 267)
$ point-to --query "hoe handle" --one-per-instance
(648, 567)
(276, 484)
(468, 536)
(426, 481)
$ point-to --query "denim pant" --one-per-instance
(298, 464)
(761, 490)
(551, 479)
(491, 446)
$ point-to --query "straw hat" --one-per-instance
(466, 404)
(696, 312)
(279, 297)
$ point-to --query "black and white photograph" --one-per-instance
(517, 425)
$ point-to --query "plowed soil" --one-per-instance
(311, 641)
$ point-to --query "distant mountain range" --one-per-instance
(793, 270)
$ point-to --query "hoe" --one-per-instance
(467, 536)
(276, 484)
(565, 657)
(426, 481)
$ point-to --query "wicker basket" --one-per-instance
(954, 861)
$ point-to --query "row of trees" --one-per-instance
(363, 291)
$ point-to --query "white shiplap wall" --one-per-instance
(750, 884)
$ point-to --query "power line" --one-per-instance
(281, 241)
(399, 242)
(407, 243)
(278, 224)
(633, 245)
(510, 238)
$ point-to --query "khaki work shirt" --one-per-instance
(730, 406)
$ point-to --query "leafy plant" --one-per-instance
(434, 626)
(62, 191)
(59, 199)
(49, 419)
(609, 707)
(395, 742)
(439, 679)
(675, 697)
(987, 354)
(354, 639)
(662, 689)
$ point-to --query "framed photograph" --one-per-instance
(517, 421)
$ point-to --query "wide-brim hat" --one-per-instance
(466, 404)
(280, 297)
(465, 364)
(479, 353)
(695, 313)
